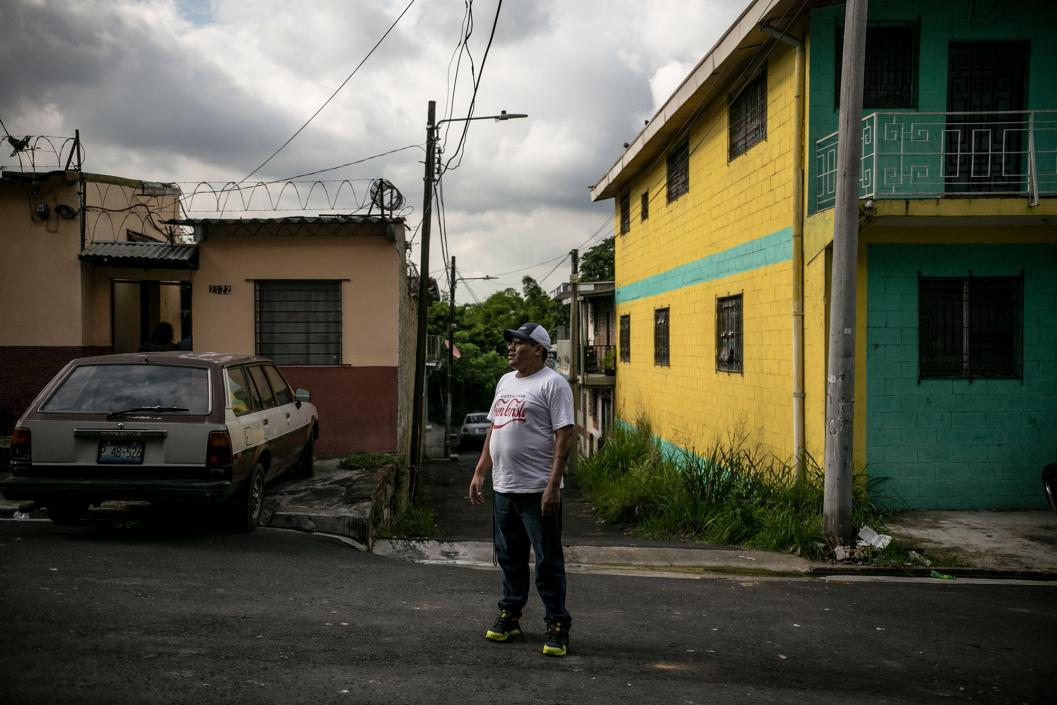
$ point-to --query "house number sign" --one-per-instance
(220, 288)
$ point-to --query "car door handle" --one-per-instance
(266, 422)
(288, 416)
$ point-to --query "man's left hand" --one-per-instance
(552, 499)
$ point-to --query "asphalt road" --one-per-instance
(130, 614)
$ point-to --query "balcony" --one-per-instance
(597, 362)
(600, 359)
(941, 155)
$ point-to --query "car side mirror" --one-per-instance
(302, 395)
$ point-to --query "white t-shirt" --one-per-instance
(525, 414)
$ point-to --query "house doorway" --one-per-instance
(985, 139)
(138, 306)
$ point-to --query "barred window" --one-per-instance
(644, 209)
(298, 322)
(728, 334)
(890, 74)
(748, 116)
(625, 212)
(625, 338)
(679, 170)
(971, 327)
(660, 336)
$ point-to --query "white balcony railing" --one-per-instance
(935, 155)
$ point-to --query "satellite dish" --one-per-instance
(385, 196)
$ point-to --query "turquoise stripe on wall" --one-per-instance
(761, 252)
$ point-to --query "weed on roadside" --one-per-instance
(729, 494)
(417, 521)
(367, 461)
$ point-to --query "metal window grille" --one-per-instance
(971, 327)
(891, 66)
(679, 170)
(748, 116)
(625, 338)
(299, 322)
(625, 212)
(729, 334)
(645, 207)
(660, 336)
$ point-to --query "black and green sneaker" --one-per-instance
(507, 626)
(557, 641)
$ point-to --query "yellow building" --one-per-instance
(724, 229)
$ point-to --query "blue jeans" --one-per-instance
(519, 524)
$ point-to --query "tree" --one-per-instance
(597, 264)
(479, 339)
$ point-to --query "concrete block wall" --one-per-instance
(730, 234)
(952, 443)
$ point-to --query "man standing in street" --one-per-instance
(525, 450)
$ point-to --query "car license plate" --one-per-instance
(130, 452)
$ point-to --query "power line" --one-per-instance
(473, 97)
(462, 47)
(327, 101)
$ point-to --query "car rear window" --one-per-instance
(104, 389)
(477, 418)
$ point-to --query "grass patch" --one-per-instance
(727, 495)
(417, 521)
(367, 461)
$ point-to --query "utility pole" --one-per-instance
(451, 355)
(840, 381)
(417, 421)
(574, 361)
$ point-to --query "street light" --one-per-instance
(417, 422)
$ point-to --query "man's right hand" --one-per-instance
(476, 485)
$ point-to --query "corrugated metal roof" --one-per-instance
(151, 255)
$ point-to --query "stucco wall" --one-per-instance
(369, 268)
(361, 402)
(40, 275)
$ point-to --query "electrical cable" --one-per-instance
(473, 97)
(332, 95)
(462, 47)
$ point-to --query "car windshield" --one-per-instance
(477, 418)
(106, 389)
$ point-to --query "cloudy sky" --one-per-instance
(205, 90)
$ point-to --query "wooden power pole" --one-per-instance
(574, 358)
(417, 402)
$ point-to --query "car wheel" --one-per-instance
(68, 513)
(246, 513)
(1049, 484)
(306, 465)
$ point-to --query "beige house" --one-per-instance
(326, 297)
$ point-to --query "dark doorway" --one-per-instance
(138, 306)
(985, 143)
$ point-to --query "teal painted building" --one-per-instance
(956, 399)
(952, 442)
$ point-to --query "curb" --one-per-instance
(606, 558)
